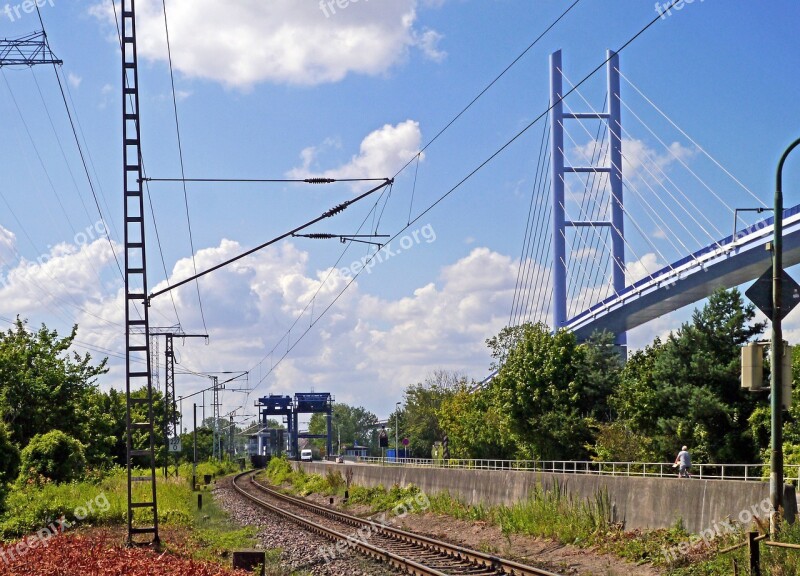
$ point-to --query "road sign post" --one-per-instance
(776, 368)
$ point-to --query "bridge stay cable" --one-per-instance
(477, 169)
(631, 186)
(689, 169)
(524, 261)
(694, 142)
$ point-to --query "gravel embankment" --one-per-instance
(300, 550)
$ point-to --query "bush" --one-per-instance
(54, 456)
(279, 470)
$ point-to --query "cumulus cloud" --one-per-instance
(8, 247)
(643, 267)
(363, 349)
(240, 44)
(640, 162)
(382, 153)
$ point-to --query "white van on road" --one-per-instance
(305, 456)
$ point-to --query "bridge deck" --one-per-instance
(729, 262)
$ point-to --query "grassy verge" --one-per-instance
(206, 534)
(553, 514)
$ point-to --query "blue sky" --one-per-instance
(279, 88)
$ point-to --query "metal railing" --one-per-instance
(746, 472)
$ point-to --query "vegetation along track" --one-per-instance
(411, 553)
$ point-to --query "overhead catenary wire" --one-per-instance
(492, 83)
(332, 212)
(313, 298)
(265, 180)
(80, 148)
(418, 155)
(466, 178)
(183, 170)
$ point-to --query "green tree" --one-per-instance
(9, 457)
(54, 456)
(419, 418)
(42, 386)
(475, 426)
(352, 423)
(687, 391)
(599, 369)
(205, 445)
(542, 391)
(103, 431)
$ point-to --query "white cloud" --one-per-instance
(364, 350)
(643, 267)
(8, 247)
(382, 153)
(240, 44)
(640, 162)
(428, 41)
(74, 80)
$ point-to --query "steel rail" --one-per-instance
(480, 560)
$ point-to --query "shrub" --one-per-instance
(279, 470)
(54, 456)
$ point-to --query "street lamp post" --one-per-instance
(776, 351)
(396, 418)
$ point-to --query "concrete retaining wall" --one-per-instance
(638, 502)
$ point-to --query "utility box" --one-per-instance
(753, 371)
(753, 367)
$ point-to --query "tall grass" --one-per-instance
(100, 501)
(555, 514)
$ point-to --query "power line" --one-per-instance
(183, 171)
(332, 212)
(418, 155)
(266, 180)
(464, 180)
(492, 83)
(80, 148)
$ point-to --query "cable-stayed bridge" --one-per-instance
(620, 231)
(732, 261)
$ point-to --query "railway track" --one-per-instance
(405, 551)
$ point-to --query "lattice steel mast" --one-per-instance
(170, 399)
(29, 50)
(140, 449)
